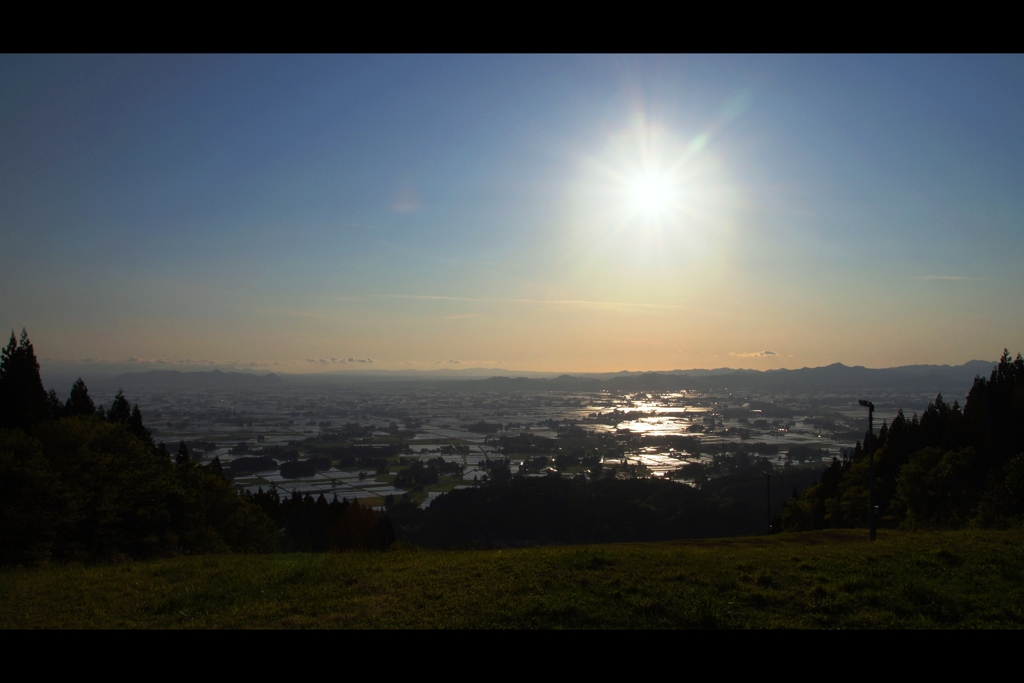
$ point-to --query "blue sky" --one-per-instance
(264, 211)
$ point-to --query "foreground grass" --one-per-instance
(972, 579)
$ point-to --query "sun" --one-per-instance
(651, 194)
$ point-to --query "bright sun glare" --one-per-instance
(651, 194)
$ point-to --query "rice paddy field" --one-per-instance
(816, 580)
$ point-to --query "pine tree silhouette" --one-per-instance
(79, 402)
(119, 411)
(136, 427)
(23, 401)
(54, 407)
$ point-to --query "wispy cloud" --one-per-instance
(305, 313)
(958, 278)
(469, 362)
(164, 362)
(133, 360)
(357, 226)
(753, 354)
(547, 302)
(407, 201)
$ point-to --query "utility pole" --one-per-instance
(768, 490)
(871, 467)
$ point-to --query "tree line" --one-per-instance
(316, 526)
(82, 483)
(948, 468)
(516, 509)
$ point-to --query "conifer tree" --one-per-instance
(54, 407)
(119, 411)
(7, 354)
(136, 427)
(79, 402)
(23, 400)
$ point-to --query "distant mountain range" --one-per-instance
(174, 379)
(952, 379)
(955, 380)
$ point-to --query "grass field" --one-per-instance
(829, 579)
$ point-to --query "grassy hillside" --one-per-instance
(964, 579)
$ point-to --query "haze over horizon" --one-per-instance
(64, 370)
(536, 213)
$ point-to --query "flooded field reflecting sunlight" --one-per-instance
(465, 427)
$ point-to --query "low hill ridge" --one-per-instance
(212, 379)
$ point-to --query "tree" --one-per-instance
(941, 488)
(136, 427)
(949, 469)
(83, 490)
(31, 504)
(120, 411)
(79, 402)
(995, 412)
(8, 357)
(54, 408)
(23, 401)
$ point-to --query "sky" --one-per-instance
(549, 213)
